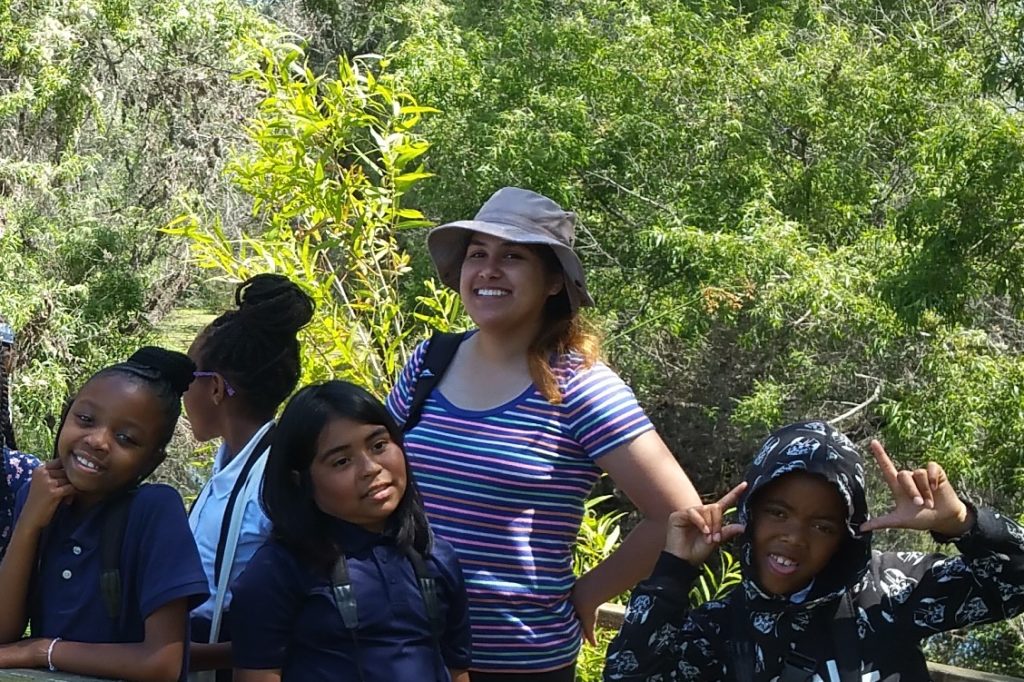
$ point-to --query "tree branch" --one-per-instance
(857, 408)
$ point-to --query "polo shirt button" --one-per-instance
(76, 550)
(66, 574)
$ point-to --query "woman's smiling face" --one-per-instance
(799, 524)
(505, 284)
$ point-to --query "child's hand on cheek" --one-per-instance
(924, 499)
(49, 487)
(694, 534)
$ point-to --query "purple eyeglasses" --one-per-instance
(227, 386)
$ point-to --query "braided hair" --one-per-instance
(7, 442)
(255, 347)
(6, 427)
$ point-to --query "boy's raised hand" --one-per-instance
(49, 487)
(924, 499)
(693, 534)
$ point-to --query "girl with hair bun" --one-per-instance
(102, 603)
(248, 363)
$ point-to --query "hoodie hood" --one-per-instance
(812, 447)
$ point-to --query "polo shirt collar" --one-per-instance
(82, 523)
(237, 462)
(352, 538)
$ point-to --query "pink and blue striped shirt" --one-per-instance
(506, 488)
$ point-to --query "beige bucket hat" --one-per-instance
(520, 216)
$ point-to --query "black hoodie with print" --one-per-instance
(897, 598)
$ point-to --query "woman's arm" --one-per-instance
(244, 675)
(48, 489)
(459, 675)
(652, 479)
(157, 658)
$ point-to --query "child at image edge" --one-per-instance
(816, 603)
(111, 437)
(339, 493)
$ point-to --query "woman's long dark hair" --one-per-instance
(288, 489)
(563, 330)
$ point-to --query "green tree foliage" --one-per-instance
(107, 111)
(330, 159)
(790, 208)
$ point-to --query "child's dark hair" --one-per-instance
(288, 488)
(167, 373)
(255, 347)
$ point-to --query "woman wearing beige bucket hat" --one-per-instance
(509, 443)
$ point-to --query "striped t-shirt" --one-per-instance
(506, 488)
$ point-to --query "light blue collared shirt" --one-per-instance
(208, 515)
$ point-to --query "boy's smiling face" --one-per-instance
(799, 523)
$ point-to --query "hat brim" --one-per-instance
(447, 246)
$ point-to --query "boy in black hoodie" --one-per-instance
(816, 602)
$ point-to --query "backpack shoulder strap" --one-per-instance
(115, 522)
(439, 356)
(429, 590)
(802, 662)
(344, 595)
(740, 644)
(243, 477)
(846, 640)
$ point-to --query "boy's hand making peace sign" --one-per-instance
(693, 534)
(924, 499)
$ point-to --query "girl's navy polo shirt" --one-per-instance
(284, 615)
(159, 564)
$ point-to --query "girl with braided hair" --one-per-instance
(248, 363)
(16, 466)
(98, 605)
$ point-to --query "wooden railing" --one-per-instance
(608, 616)
(39, 675)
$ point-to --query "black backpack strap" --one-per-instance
(804, 658)
(846, 640)
(440, 351)
(345, 602)
(430, 591)
(344, 595)
(741, 646)
(243, 477)
(111, 539)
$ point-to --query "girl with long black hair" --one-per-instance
(352, 585)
